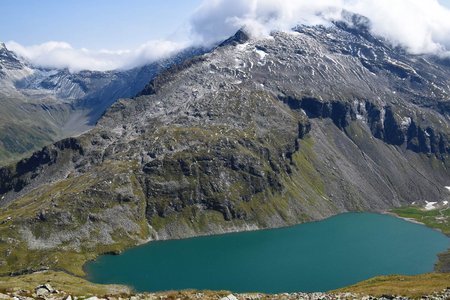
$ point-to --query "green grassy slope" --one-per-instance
(26, 126)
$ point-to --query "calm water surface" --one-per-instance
(318, 256)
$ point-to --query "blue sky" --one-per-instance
(74, 33)
(93, 24)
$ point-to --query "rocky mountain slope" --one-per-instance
(254, 134)
(40, 106)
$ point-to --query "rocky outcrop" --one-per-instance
(384, 122)
(16, 178)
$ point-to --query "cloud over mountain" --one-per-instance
(417, 25)
(63, 55)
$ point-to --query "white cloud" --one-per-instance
(420, 26)
(220, 18)
(63, 55)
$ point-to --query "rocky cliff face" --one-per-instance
(255, 134)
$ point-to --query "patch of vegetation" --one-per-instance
(435, 218)
(304, 161)
(407, 286)
(61, 281)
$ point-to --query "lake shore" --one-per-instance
(406, 219)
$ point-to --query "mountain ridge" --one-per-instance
(63, 103)
(253, 134)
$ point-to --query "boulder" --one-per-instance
(229, 297)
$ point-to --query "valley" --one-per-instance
(41, 106)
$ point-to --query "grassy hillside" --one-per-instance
(409, 286)
(26, 126)
(61, 281)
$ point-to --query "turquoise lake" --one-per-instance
(318, 256)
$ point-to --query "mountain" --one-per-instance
(41, 105)
(257, 133)
(25, 123)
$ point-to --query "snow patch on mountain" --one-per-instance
(430, 205)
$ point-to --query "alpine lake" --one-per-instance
(318, 256)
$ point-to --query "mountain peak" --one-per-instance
(355, 24)
(5, 52)
(9, 59)
(356, 21)
(240, 37)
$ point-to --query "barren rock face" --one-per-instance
(255, 134)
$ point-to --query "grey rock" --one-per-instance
(4, 296)
(49, 288)
(42, 292)
(229, 297)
